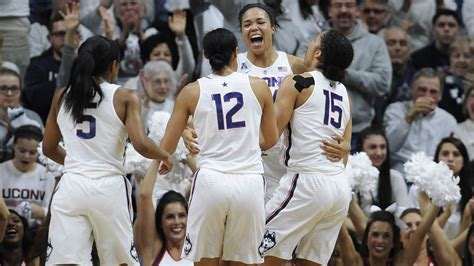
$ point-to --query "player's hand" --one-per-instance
(336, 150)
(165, 166)
(190, 140)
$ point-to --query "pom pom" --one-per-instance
(135, 164)
(436, 179)
(362, 176)
(52, 167)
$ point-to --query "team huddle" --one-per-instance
(272, 143)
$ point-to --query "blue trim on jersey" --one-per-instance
(287, 152)
(129, 203)
(192, 189)
(285, 202)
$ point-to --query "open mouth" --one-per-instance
(11, 232)
(256, 39)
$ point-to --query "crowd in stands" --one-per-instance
(411, 85)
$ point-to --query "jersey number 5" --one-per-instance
(228, 123)
(87, 118)
(331, 107)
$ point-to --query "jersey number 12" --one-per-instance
(228, 123)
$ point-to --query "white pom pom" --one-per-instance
(53, 167)
(135, 164)
(362, 175)
(436, 179)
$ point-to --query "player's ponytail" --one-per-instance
(94, 59)
(219, 45)
(337, 55)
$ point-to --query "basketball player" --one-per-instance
(258, 24)
(229, 110)
(92, 201)
(309, 205)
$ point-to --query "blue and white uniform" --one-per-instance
(92, 200)
(273, 75)
(226, 205)
(311, 202)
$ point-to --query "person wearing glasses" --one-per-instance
(12, 114)
(41, 74)
(375, 15)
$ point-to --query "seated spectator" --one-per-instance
(398, 44)
(12, 114)
(446, 25)
(159, 84)
(413, 126)
(391, 185)
(460, 75)
(453, 152)
(25, 184)
(15, 247)
(464, 130)
(41, 74)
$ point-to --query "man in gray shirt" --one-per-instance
(417, 125)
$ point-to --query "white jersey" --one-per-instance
(95, 146)
(324, 114)
(35, 186)
(227, 121)
(273, 74)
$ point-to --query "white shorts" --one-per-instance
(273, 171)
(226, 217)
(84, 209)
(304, 217)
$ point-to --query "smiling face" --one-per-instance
(158, 88)
(257, 30)
(376, 148)
(174, 221)
(161, 52)
(26, 154)
(380, 240)
(374, 14)
(461, 60)
(14, 232)
(343, 14)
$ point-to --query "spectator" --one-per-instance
(41, 74)
(464, 130)
(375, 14)
(446, 25)
(458, 77)
(391, 184)
(398, 44)
(468, 17)
(17, 242)
(24, 182)
(453, 152)
(159, 84)
(370, 72)
(12, 114)
(413, 126)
